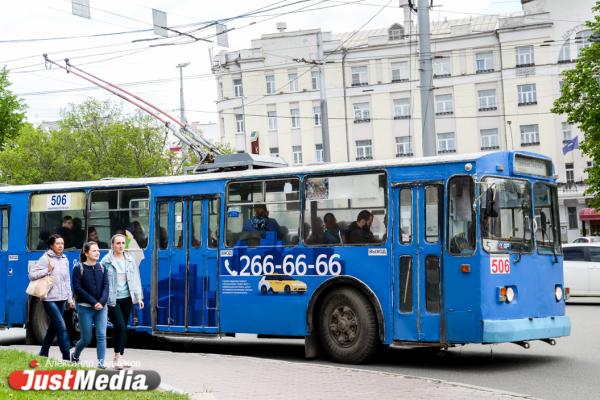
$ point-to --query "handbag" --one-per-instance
(40, 287)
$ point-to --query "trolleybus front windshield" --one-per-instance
(505, 209)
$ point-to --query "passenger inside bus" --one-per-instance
(66, 231)
(138, 234)
(332, 233)
(360, 230)
(261, 222)
(93, 237)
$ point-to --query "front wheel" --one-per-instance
(348, 327)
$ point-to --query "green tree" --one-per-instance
(12, 110)
(580, 101)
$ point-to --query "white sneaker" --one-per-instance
(117, 363)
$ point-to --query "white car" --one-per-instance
(587, 239)
(582, 268)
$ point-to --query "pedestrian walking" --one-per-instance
(125, 289)
(56, 264)
(90, 284)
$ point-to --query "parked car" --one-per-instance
(582, 268)
(587, 239)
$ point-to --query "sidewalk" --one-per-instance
(223, 377)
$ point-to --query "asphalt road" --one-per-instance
(569, 370)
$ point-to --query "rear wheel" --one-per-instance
(348, 327)
(38, 321)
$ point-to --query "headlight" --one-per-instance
(510, 294)
(558, 292)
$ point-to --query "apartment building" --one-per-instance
(495, 80)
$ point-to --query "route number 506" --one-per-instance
(500, 265)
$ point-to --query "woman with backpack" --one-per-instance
(125, 289)
(55, 263)
(90, 285)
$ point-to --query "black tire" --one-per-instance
(287, 289)
(38, 321)
(263, 289)
(348, 327)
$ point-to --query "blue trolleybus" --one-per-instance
(437, 251)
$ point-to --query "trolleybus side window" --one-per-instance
(336, 206)
(506, 222)
(461, 216)
(432, 214)
(406, 217)
(546, 217)
(61, 213)
(163, 226)
(213, 223)
(117, 211)
(5, 229)
(263, 213)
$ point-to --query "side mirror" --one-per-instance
(491, 208)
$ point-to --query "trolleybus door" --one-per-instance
(186, 264)
(417, 262)
(5, 269)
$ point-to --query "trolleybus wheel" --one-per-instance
(38, 321)
(348, 327)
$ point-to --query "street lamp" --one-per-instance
(181, 102)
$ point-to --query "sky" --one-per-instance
(146, 64)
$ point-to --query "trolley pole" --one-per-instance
(426, 75)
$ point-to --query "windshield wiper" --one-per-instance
(522, 242)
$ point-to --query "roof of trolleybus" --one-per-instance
(271, 172)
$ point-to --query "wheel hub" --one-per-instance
(343, 326)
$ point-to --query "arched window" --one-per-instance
(396, 32)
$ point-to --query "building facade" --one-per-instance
(495, 78)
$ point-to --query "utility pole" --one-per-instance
(426, 74)
(181, 101)
(323, 102)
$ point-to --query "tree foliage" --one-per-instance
(95, 140)
(12, 110)
(580, 101)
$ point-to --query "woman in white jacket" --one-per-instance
(124, 289)
(55, 263)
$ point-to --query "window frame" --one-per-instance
(529, 134)
(446, 140)
(295, 117)
(364, 109)
(441, 104)
(485, 104)
(402, 71)
(361, 71)
(488, 60)
(365, 148)
(293, 82)
(404, 144)
(297, 150)
(270, 81)
(525, 56)
(317, 115)
(489, 146)
(333, 174)
(527, 97)
(315, 80)
(473, 214)
(238, 88)
(401, 108)
(442, 66)
(272, 120)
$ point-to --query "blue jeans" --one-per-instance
(56, 329)
(88, 317)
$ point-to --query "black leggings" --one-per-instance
(119, 316)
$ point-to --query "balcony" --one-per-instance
(447, 151)
(488, 108)
(357, 84)
(530, 144)
(362, 120)
(485, 148)
(444, 113)
(528, 103)
(484, 71)
(402, 116)
(399, 80)
(399, 155)
(437, 76)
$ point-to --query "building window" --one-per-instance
(525, 56)
(297, 153)
(317, 115)
(403, 146)
(364, 150)
(400, 72)
(570, 172)
(443, 104)
(582, 40)
(272, 120)
(572, 211)
(315, 77)
(527, 94)
(487, 100)
(295, 113)
(446, 142)
(484, 62)
(221, 95)
(565, 53)
(361, 113)
(489, 139)
(441, 67)
(566, 130)
(239, 123)
(293, 79)
(530, 135)
(402, 108)
(238, 91)
(319, 154)
(359, 76)
(274, 151)
(270, 84)
(396, 32)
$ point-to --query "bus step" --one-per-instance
(551, 342)
(523, 344)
